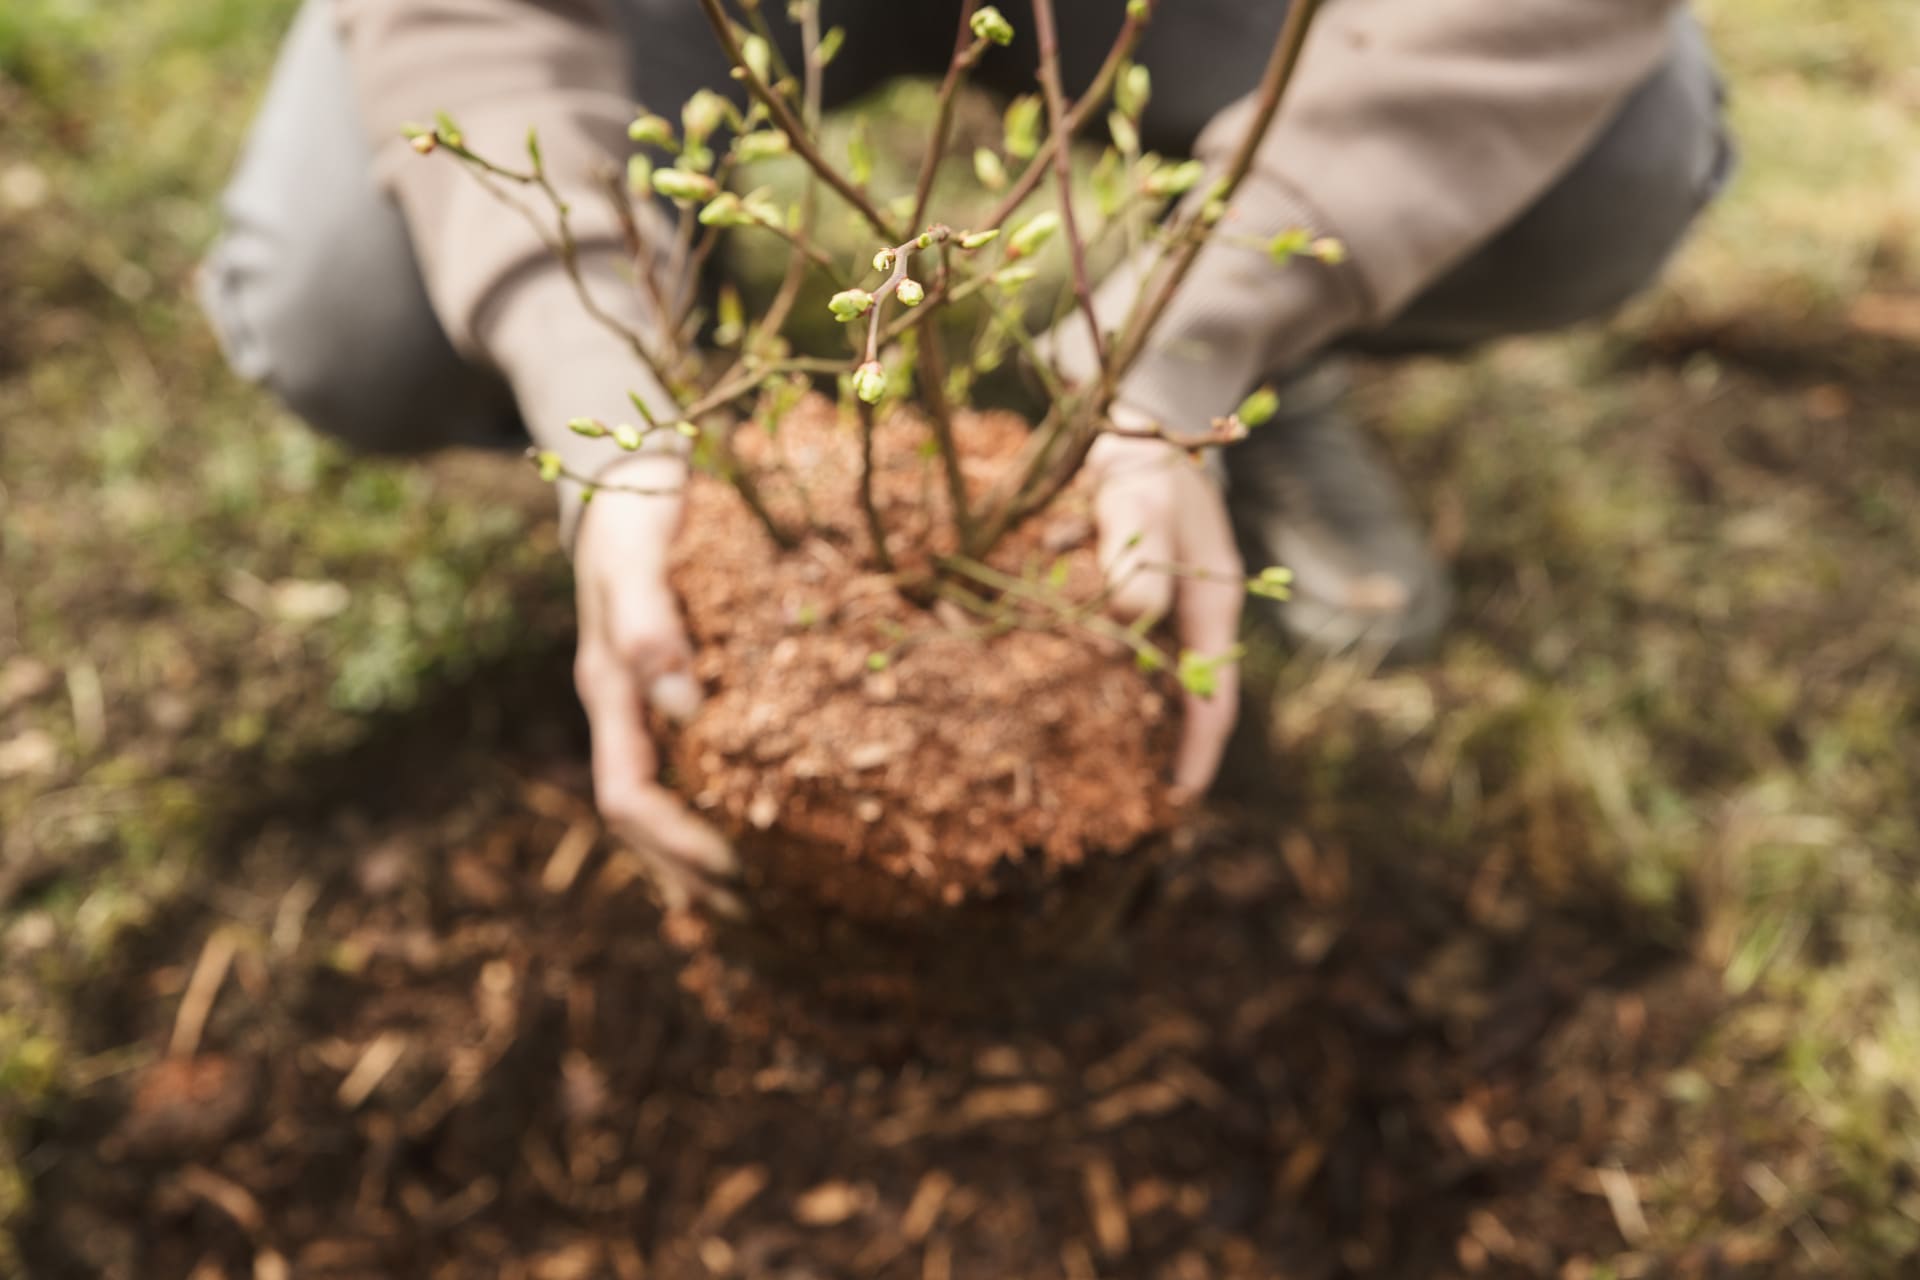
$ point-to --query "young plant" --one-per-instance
(920, 270)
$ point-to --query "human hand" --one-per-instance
(1155, 508)
(633, 652)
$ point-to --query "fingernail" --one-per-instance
(675, 695)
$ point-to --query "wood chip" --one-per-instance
(1149, 1098)
(1616, 1184)
(224, 1194)
(375, 1061)
(216, 957)
(923, 1211)
(1006, 1102)
(1111, 1230)
(831, 1203)
(734, 1192)
(563, 866)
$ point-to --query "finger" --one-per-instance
(1208, 622)
(1134, 509)
(625, 766)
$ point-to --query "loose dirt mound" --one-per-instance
(879, 758)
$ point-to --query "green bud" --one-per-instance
(1126, 135)
(910, 293)
(764, 145)
(639, 175)
(1175, 179)
(704, 112)
(1131, 91)
(1022, 126)
(971, 240)
(755, 52)
(988, 169)
(591, 428)
(830, 44)
(1272, 583)
(1199, 675)
(1258, 409)
(1136, 9)
(850, 304)
(651, 130)
(724, 210)
(550, 465)
(924, 240)
(1284, 247)
(884, 261)
(449, 131)
(687, 429)
(1013, 277)
(1149, 660)
(990, 24)
(1032, 234)
(678, 184)
(627, 436)
(1328, 250)
(730, 319)
(870, 382)
(859, 153)
(640, 407)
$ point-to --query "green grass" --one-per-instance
(1685, 660)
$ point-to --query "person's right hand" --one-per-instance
(633, 652)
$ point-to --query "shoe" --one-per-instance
(1306, 491)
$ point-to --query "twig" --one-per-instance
(1049, 40)
(797, 135)
(1273, 85)
(876, 529)
(209, 972)
(967, 49)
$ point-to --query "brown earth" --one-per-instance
(439, 1034)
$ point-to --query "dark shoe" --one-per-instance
(1307, 492)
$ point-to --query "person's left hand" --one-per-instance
(1155, 508)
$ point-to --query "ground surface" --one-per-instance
(1586, 949)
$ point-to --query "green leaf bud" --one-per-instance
(449, 131)
(1022, 126)
(755, 52)
(1328, 250)
(1014, 277)
(1136, 9)
(550, 465)
(1126, 135)
(687, 429)
(1032, 234)
(591, 428)
(1258, 409)
(885, 260)
(651, 130)
(830, 44)
(678, 184)
(762, 145)
(990, 24)
(1131, 91)
(850, 304)
(910, 293)
(704, 112)
(971, 240)
(627, 436)
(870, 382)
(1175, 179)
(1284, 247)
(639, 175)
(988, 169)
(724, 210)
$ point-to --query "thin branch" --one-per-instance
(797, 135)
(1049, 40)
(1273, 86)
(876, 528)
(967, 49)
(1037, 168)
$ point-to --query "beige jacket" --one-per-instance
(1414, 130)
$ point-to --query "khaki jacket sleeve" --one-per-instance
(1415, 129)
(500, 68)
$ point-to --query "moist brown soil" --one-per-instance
(450, 1041)
(932, 808)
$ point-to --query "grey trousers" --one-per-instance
(315, 293)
